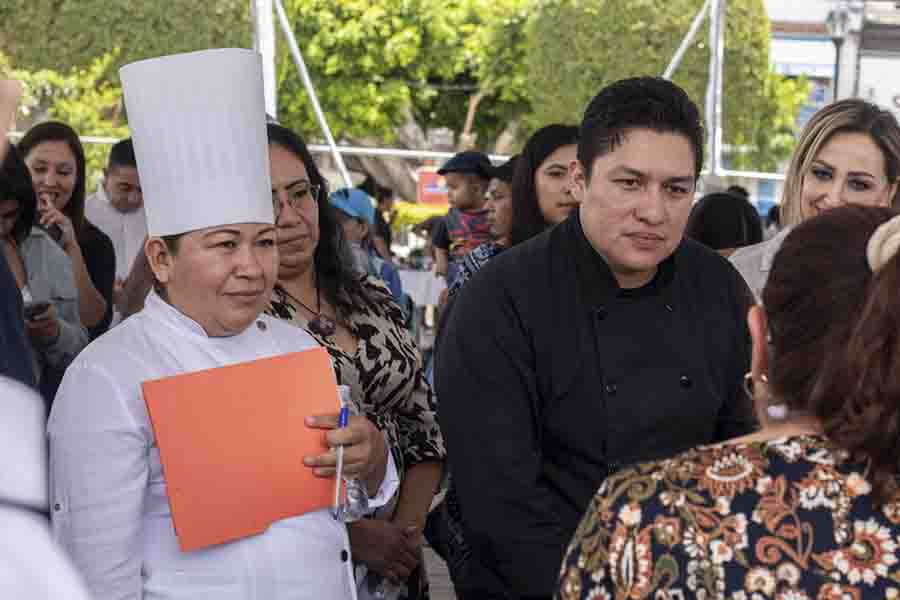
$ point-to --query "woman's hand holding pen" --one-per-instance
(365, 450)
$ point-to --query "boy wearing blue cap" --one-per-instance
(465, 225)
(356, 216)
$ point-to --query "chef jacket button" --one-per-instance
(685, 381)
(344, 556)
(601, 313)
(57, 507)
(261, 325)
(611, 389)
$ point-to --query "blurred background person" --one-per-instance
(848, 153)
(542, 189)
(44, 279)
(724, 222)
(808, 507)
(355, 215)
(15, 358)
(117, 209)
(55, 157)
(465, 225)
(355, 318)
(32, 566)
(498, 203)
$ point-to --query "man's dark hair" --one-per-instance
(122, 155)
(650, 103)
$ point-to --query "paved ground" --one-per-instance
(441, 588)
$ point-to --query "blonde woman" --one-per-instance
(848, 153)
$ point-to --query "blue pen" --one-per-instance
(343, 418)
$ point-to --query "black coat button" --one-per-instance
(344, 555)
(601, 313)
(611, 389)
(685, 381)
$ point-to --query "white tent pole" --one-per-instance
(686, 42)
(714, 85)
(264, 43)
(313, 98)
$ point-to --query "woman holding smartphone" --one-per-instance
(43, 274)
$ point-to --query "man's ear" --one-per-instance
(161, 259)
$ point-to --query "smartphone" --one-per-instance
(33, 309)
(55, 231)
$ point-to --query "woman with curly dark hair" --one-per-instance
(809, 506)
(355, 317)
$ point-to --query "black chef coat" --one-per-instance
(550, 377)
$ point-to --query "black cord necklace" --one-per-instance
(320, 325)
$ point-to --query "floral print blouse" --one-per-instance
(385, 375)
(786, 519)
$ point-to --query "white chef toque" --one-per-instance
(199, 129)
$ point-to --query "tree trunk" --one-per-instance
(467, 137)
(508, 138)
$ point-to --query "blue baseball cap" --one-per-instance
(355, 203)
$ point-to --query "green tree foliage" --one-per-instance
(61, 34)
(376, 64)
(81, 98)
(575, 47)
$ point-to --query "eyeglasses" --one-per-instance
(299, 196)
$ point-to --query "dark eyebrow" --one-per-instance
(291, 184)
(221, 232)
(559, 165)
(266, 231)
(856, 173)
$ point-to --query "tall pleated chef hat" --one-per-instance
(198, 121)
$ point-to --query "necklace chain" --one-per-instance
(322, 324)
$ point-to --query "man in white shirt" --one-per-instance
(117, 208)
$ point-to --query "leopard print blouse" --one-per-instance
(386, 375)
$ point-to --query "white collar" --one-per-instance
(159, 308)
(772, 248)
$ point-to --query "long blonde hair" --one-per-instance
(851, 115)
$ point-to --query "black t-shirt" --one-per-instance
(100, 260)
(383, 229)
(440, 237)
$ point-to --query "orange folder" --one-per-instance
(232, 442)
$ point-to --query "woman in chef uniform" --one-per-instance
(200, 138)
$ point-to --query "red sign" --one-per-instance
(431, 188)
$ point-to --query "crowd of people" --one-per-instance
(636, 392)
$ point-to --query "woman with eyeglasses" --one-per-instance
(356, 319)
(848, 153)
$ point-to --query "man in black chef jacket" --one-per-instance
(607, 340)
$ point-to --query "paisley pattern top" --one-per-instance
(786, 519)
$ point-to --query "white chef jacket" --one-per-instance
(127, 231)
(108, 494)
